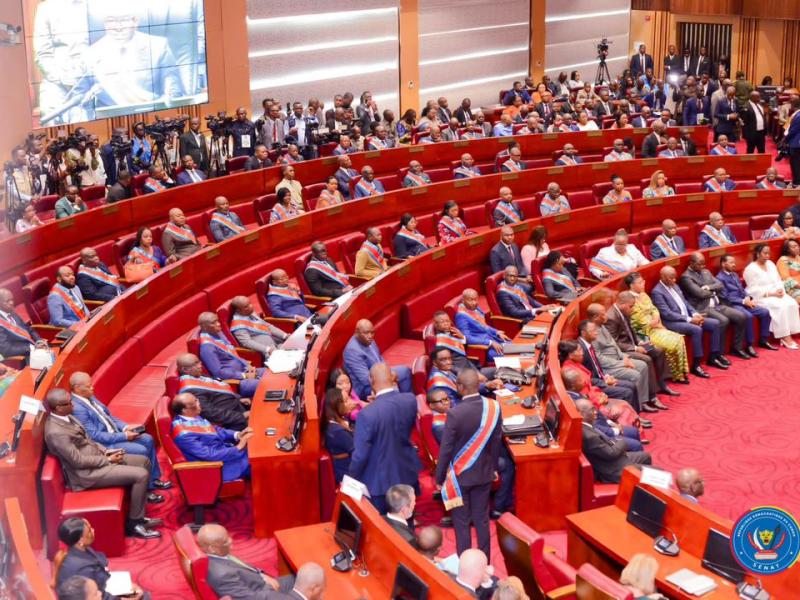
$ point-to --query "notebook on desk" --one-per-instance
(692, 582)
(522, 425)
(519, 348)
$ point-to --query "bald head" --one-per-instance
(472, 567)
(206, 319)
(429, 541)
(586, 409)
(668, 275)
(240, 302)
(689, 481)
(468, 382)
(186, 361)
(55, 397)
(6, 300)
(310, 580)
(222, 204)
(594, 310)
(573, 380)
(380, 377)
(214, 539)
(78, 380)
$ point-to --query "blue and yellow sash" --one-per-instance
(205, 384)
(507, 210)
(221, 219)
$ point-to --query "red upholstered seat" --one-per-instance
(35, 295)
(759, 224)
(172, 381)
(46, 207)
(591, 582)
(194, 563)
(94, 193)
(416, 312)
(580, 198)
(591, 494)
(599, 190)
(390, 182)
(327, 486)
(235, 164)
(688, 187)
(425, 431)
(647, 236)
(590, 249)
(525, 556)
(122, 248)
(104, 508)
(740, 230)
(348, 247)
(262, 207)
(419, 374)
(442, 174)
(200, 482)
(137, 183)
(49, 269)
(262, 285)
(509, 325)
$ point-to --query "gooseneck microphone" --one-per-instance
(661, 544)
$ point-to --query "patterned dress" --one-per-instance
(789, 270)
(671, 342)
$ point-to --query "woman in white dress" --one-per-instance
(765, 286)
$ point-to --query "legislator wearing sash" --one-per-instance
(227, 222)
(77, 307)
(509, 211)
(453, 343)
(463, 172)
(609, 267)
(219, 343)
(374, 254)
(183, 234)
(766, 184)
(328, 271)
(552, 205)
(280, 213)
(250, 323)
(476, 315)
(775, 231)
(16, 331)
(155, 185)
(101, 276)
(139, 256)
(204, 384)
(617, 156)
(367, 187)
(715, 186)
(376, 143)
(414, 180)
(517, 292)
(445, 381)
(512, 165)
(567, 161)
(612, 197)
(468, 455)
(720, 151)
(414, 236)
(183, 425)
(663, 243)
(285, 292)
(457, 226)
(719, 237)
(559, 279)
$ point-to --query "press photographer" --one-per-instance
(19, 186)
(117, 155)
(164, 135)
(220, 126)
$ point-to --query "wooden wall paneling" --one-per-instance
(650, 5)
(748, 47)
(662, 38)
(790, 58)
(706, 7)
(771, 9)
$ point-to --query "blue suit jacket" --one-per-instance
(358, 360)
(730, 185)
(690, 110)
(222, 447)
(499, 259)
(656, 253)
(383, 455)
(511, 306)
(343, 176)
(706, 242)
(220, 364)
(793, 135)
(732, 289)
(183, 178)
(220, 232)
(61, 315)
(91, 289)
(476, 334)
(724, 125)
(656, 99)
(508, 97)
(94, 426)
(287, 308)
(666, 305)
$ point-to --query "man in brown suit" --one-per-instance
(89, 465)
(620, 328)
(178, 239)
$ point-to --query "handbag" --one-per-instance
(136, 272)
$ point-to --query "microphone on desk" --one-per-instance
(746, 591)
(661, 544)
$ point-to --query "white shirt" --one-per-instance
(91, 176)
(397, 519)
(630, 260)
(385, 391)
(679, 301)
(759, 113)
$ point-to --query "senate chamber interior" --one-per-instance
(399, 299)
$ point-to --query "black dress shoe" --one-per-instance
(140, 531)
(766, 345)
(698, 371)
(649, 408)
(645, 423)
(717, 363)
(723, 359)
(751, 352)
(659, 404)
(740, 354)
(495, 514)
(668, 391)
(151, 522)
(153, 498)
(681, 381)
(446, 522)
(160, 484)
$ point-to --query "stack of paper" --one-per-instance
(119, 583)
(284, 361)
(692, 582)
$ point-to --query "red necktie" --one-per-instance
(275, 131)
(596, 362)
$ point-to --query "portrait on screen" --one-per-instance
(94, 59)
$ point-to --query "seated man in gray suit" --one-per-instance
(252, 332)
(608, 457)
(230, 576)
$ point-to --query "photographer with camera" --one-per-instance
(193, 143)
(243, 132)
(164, 135)
(19, 182)
(96, 173)
(78, 160)
(117, 155)
(71, 203)
(141, 150)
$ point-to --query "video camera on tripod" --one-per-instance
(602, 48)
(602, 76)
(159, 130)
(219, 124)
(73, 141)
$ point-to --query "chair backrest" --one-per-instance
(236, 163)
(137, 183)
(262, 207)
(35, 295)
(489, 207)
(163, 417)
(262, 285)
(122, 248)
(593, 584)
(419, 374)
(492, 281)
(194, 563)
(348, 247)
(759, 223)
(172, 379)
(299, 271)
(521, 546)
(53, 490)
(225, 314)
(429, 338)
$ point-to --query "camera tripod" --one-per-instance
(160, 153)
(218, 155)
(602, 75)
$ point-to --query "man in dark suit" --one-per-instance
(383, 455)
(694, 107)
(506, 253)
(678, 315)
(620, 328)
(754, 129)
(514, 301)
(641, 62)
(700, 64)
(702, 290)
(727, 116)
(230, 576)
(685, 65)
(121, 190)
(603, 107)
(608, 457)
(106, 429)
(687, 143)
(94, 278)
(668, 243)
(653, 140)
(400, 502)
(190, 173)
(89, 465)
(259, 160)
(219, 403)
(16, 336)
(323, 276)
(193, 143)
(672, 64)
(474, 477)
(464, 112)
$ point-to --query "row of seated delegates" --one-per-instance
(157, 181)
(89, 465)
